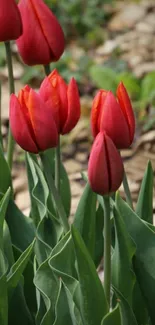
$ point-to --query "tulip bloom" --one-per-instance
(105, 167)
(10, 21)
(115, 116)
(31, 121)
(63, 100)
(42, 40)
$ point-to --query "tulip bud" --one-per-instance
(31, 121)
(43, 40)
(114, 116)
(105, 167)
(10, 21)
(63, 100)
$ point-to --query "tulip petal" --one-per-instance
(115, 165)
(19, 127)
(51, 98)
(113, 122)
(32, 45)
(53, 90)
(96, 111)
(97, 166)
(51, 28)
(73, 107)
(105, 167)
(11, 23)
(126, 106)
(42, 121)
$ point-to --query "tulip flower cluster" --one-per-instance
(113, 126)
(37, 119)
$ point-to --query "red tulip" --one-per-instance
(63, 100)
(31, 121)
(10, 21)
(114, 116)
(105, 167)
(43, 39)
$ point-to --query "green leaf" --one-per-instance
(76, 320)
(22, 314)
(48, 285)
(21, 228)
(113, 318)
(127, 315)
(123, 277)
(62, 309)
(38, 188)
(139, 306)
(85, 218)
(103, 77)
(48, 234)
(5, 176)
(3, 207)
(144, 207)
(17, 269)
(3, 291)
(62, 263)
(144, 261)
(65, 191)
(93, 298)
(49, 229)
(48, 281)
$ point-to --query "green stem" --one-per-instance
(57, 166)
(107, 248)
(12, 90)
(47, 69)
(127, 191)
(1, 137)
(55, 194)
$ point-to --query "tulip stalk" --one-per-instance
(12, 90)
(107, 248)
(54, 191)
(47, 69)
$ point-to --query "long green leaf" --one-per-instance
(144, 207)
(3, 291)
(144, 261)
(62, 309)
(5, 176)
(127, 315)
(62, 263)
(85, 218)
(39, 191)
(3, 207)
(17, 269)
(123, 277)
(65, 191)
(21, 228)
(93, 298)
(113, 318)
